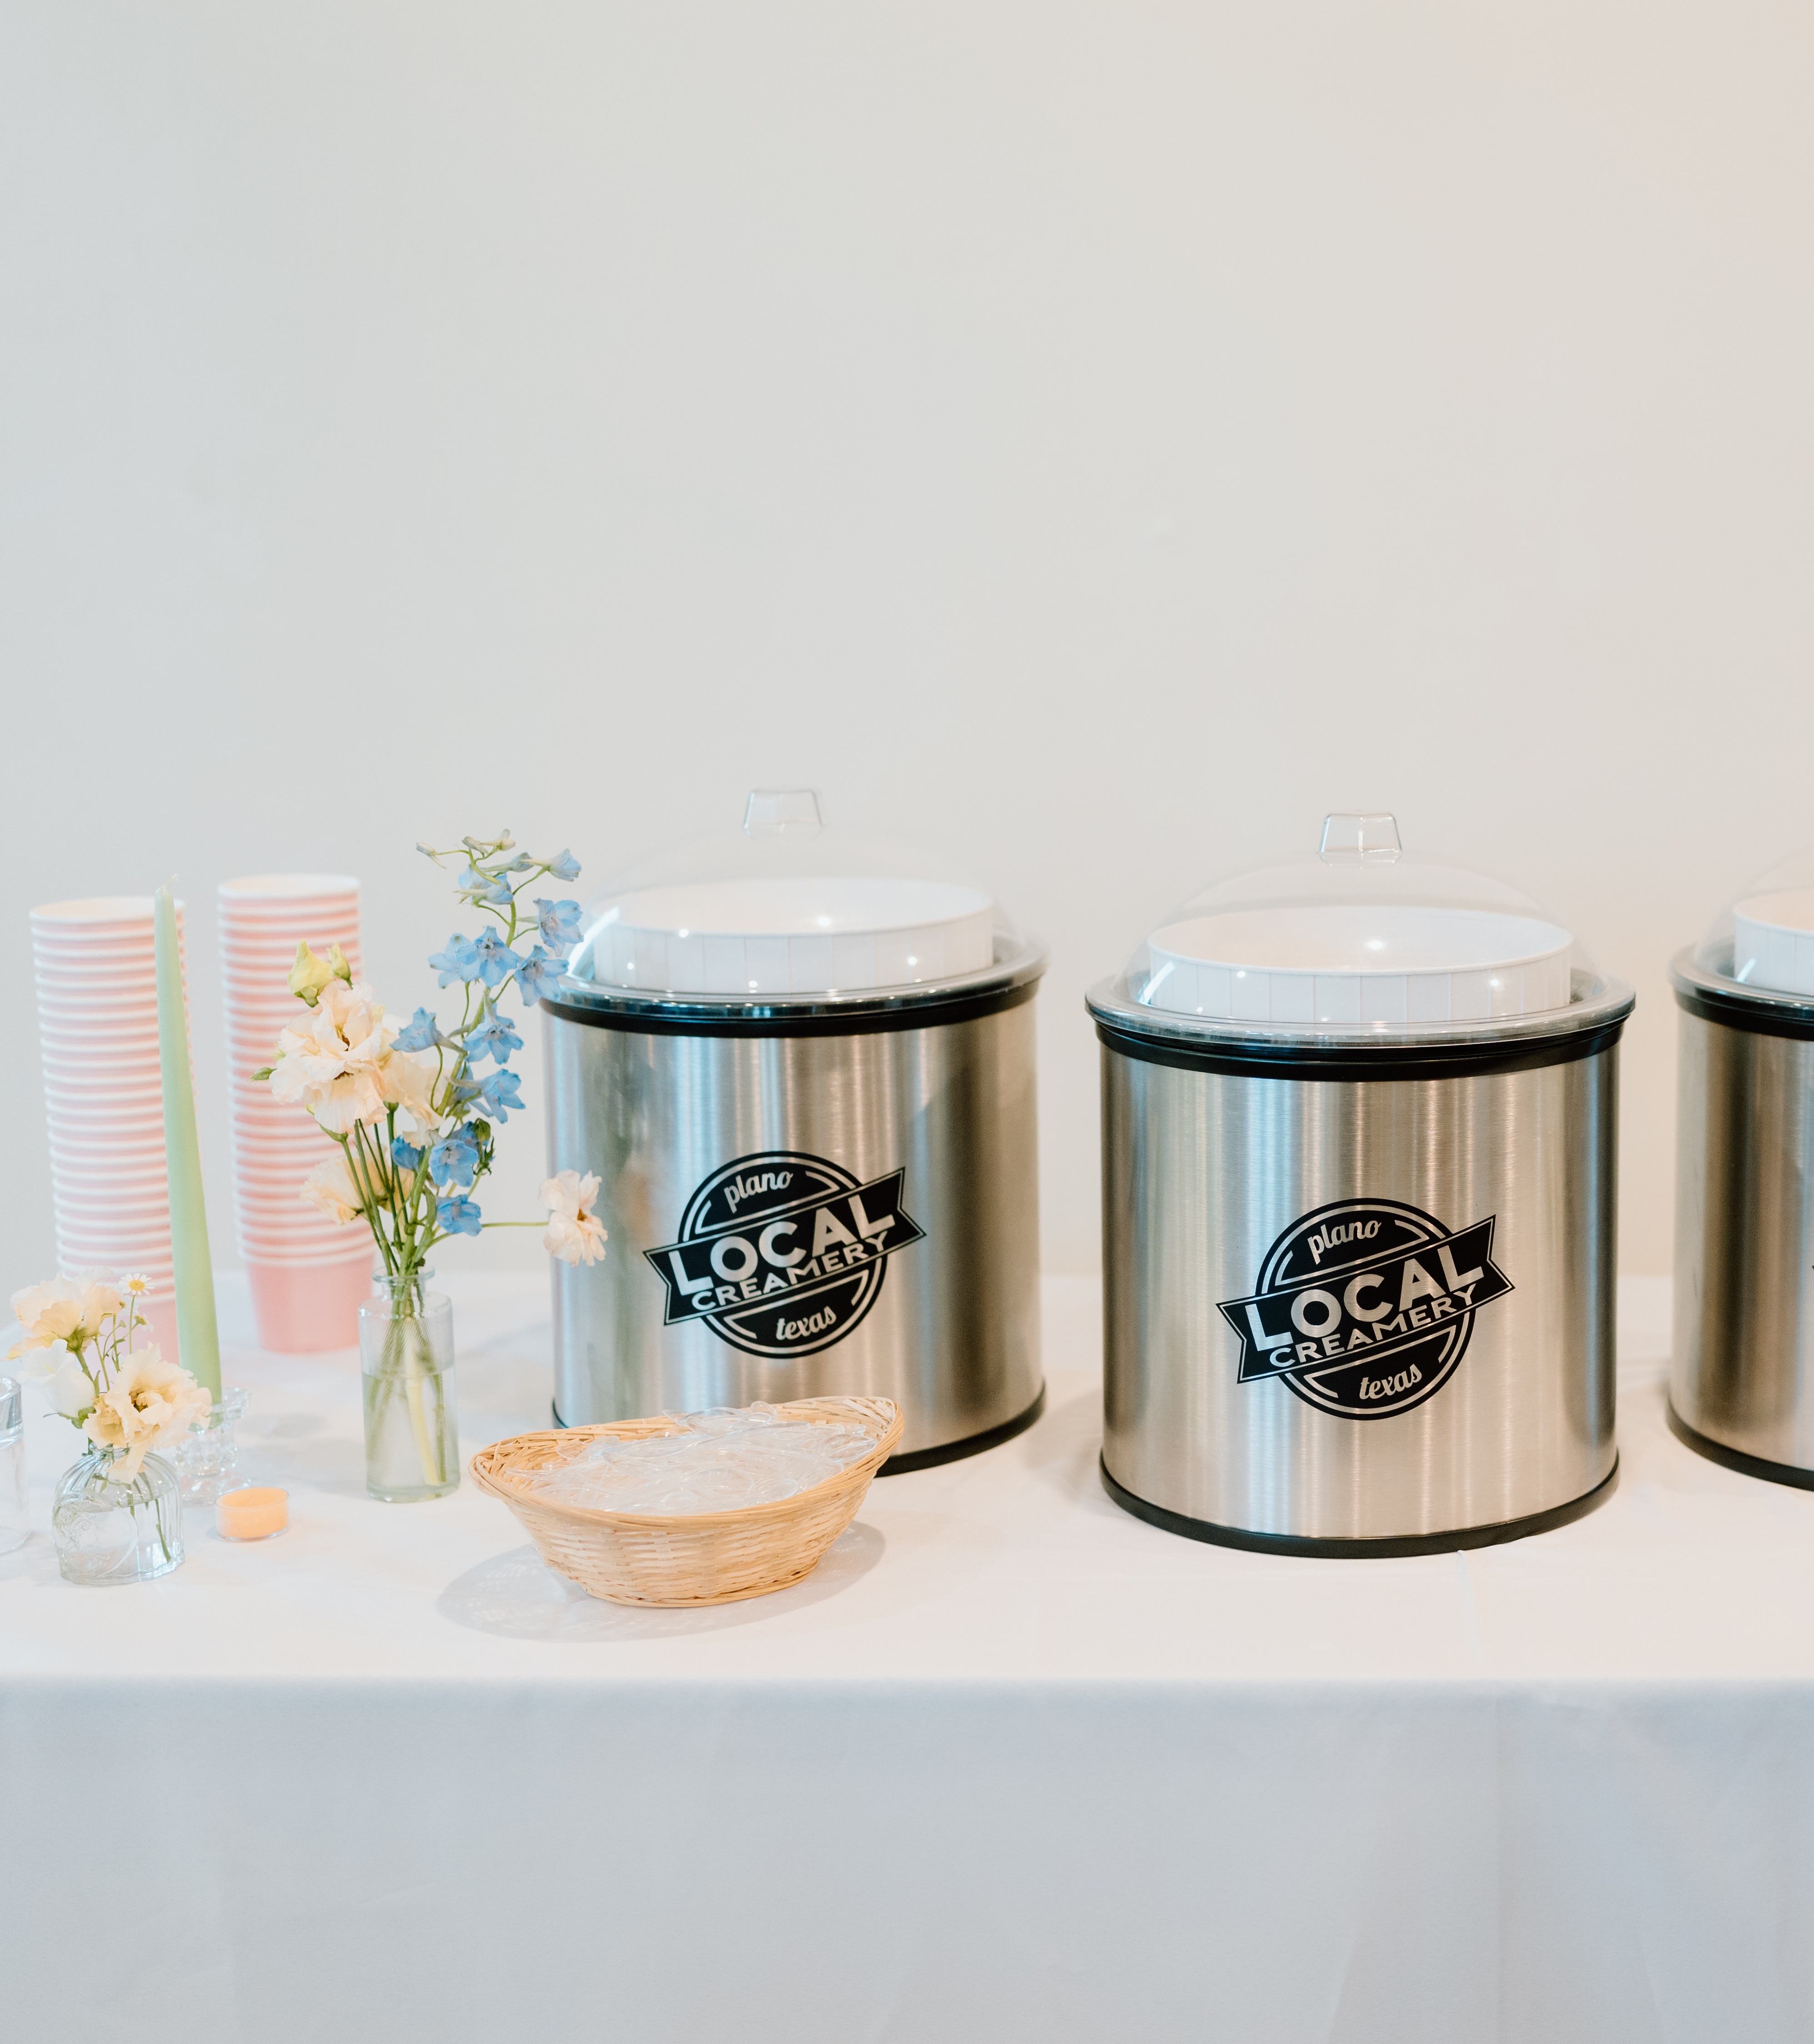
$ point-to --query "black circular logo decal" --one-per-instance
(782, 1254)
(1364, 1307)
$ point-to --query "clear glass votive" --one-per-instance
(207, 1458)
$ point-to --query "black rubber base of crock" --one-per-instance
(1421, 1544)
(950, 1451)
(1735, 1458)
(955, 1451)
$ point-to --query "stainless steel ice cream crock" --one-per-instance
(1359, 1118)
(1742, 1375)
(801, 1061)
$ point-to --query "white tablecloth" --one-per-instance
(1011, 1765)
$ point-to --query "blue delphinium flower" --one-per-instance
(521, 863)
(565, 867)
(404, 1156)
(460, 960)
(496, 959)
(478, 887)
(421, 1032)
(560, 925)
(494, 1038)
(500, 1092)
(458, 1216)
(453, 1161)
(536, 975)
(461, 1094)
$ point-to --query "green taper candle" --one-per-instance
(197, 1339)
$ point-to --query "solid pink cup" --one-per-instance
(301, 1311)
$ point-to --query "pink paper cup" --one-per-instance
(301, 1311)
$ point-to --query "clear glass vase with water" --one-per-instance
(407, 1359)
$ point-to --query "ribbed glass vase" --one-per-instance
(407, 1355)
(108, 1532)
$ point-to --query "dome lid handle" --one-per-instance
(782, 813)
(1353, 840)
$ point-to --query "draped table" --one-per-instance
(1010, 1765)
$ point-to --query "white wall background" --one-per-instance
(1097, 438)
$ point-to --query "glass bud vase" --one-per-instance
(406, 1357)
(108, 1532)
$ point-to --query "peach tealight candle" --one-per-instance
(251, 1515)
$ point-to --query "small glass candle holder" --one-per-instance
(207, 1459)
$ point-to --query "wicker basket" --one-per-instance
(696, 1557)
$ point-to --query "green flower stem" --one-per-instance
(403, 1339)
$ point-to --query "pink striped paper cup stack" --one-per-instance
(95, 966)
(308, 1276)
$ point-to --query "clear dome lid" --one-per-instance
(790, 907)
(1761, 942)
(1360, 938)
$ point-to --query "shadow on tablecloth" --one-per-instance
(517, 1596)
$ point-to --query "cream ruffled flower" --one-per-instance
(151, 1404)
(329, 1188)
(408, 1078)
(64, 1310)
(67, 1384)
(574, 1233)
(330, 1064)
